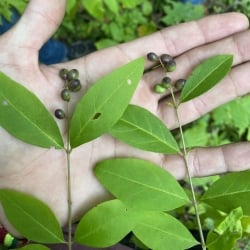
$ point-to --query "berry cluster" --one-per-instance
(72, 84)
(168, 63)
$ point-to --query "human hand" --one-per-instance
(42, 172)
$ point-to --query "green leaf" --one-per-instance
(71, 7)
(225, 235)
(105, 43)
(31, 217)
(235, 113)
(34, 247)
(131, 3)
(177, 12)
(104, 103)
(205, 76)
(229, 192)
(24, 116)
(94, 7)
(158, 230)
(105, 224)
(112, 5)
(140, 128)
(245, 221)
(141, 184)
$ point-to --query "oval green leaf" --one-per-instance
(141, 129)
(105, 224)
(158, 230)
(34, 247)
(141, 184)
(24, 116)
(229, 192)
(104, 103)
(31, 217)
(205, 76)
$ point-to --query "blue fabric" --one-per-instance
(52, 51)
(193, 1)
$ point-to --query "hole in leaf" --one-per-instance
(96, 116)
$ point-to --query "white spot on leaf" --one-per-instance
(129, 82)
(5, 103)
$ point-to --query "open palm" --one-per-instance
(42, 172)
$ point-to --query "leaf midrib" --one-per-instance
(143, 184)
(158, 139)
(33, 219)
(227, 194)
(102, 105)
(179, 237)
(22, 114)
(205, 77)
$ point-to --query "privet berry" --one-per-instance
(63, 73)
(74, 85)
(171, 66)
(165, 58)
(166, 82)
(179, 84)
(73, 74)
(59, 113)
(152, 57)
(159, 89)
(65, 95)
(166, 79)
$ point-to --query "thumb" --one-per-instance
(39, 22)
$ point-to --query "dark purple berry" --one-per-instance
(166, 82)
(73, 74)
(74, 85)
(59, 113)
(165, 58)
(179, 84)
(63, 73)
(65, 95)
(166, 79)
(152, 57)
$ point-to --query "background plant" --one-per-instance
(224, 125)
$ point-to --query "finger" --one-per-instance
(211, 161)
(237, 45)
(174, 40)
(38, 23)
(235, 84)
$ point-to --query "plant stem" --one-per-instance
(69, 202)
(68, 152)
(185, 157)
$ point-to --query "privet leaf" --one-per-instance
(31, 217)
(24, 116)
(104, 103)
(141, 184)
(205, 76)
(158, 230)
(140, 128)
(229, 192)
(34, 247)
(225, 235)
(105, 224)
